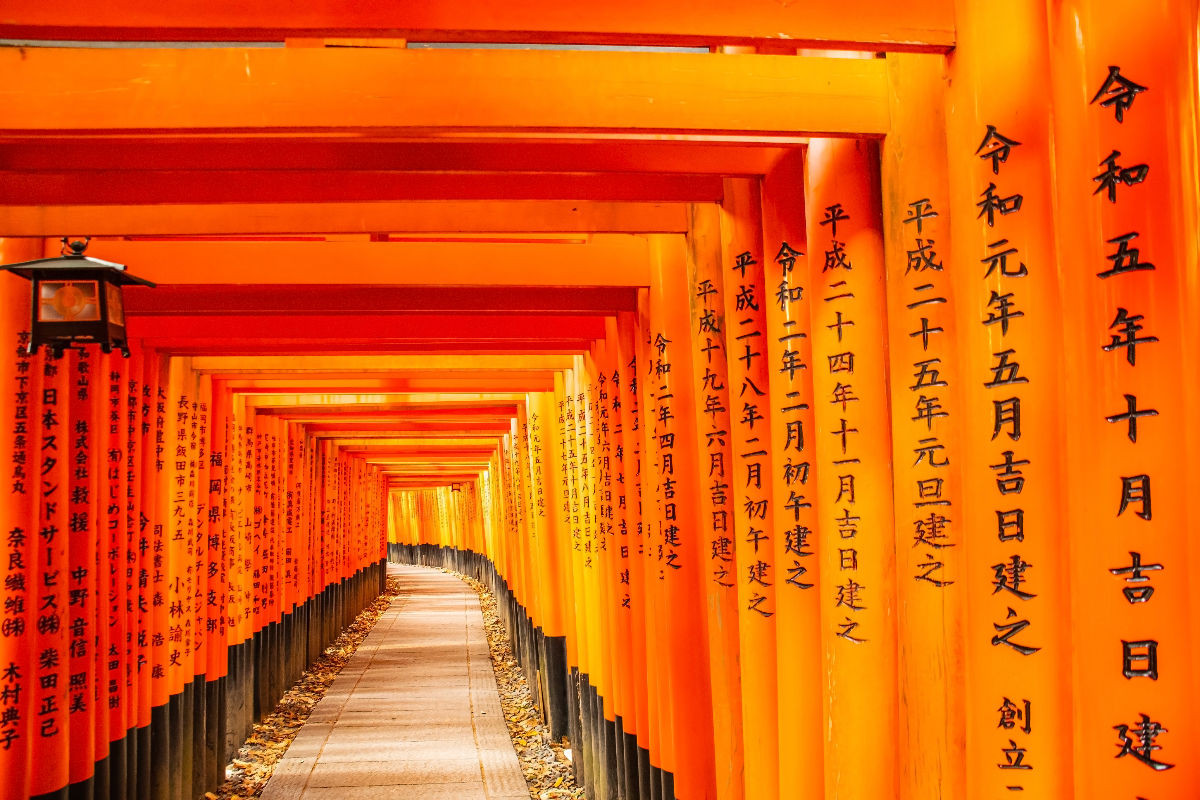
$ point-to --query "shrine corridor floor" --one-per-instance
(414, 715)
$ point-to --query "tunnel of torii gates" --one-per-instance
(801, 398)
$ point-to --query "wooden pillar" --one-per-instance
(684, 569)
(51, 666)
(1125, 114)
(788, 304)
(745, 297)
(79, 615)
(856, 548)
(19, 727)
(926, 461)
(715, 467)
(628, 333)
(1007, 303)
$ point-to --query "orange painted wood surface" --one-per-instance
(427, 92)
(924, 25)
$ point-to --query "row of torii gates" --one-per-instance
(803, 395)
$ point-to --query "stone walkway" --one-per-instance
(414, 715)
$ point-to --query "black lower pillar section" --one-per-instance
(668, 779)
(199, 736)
(101, 778)
(61, 794)
(175, 720)
(183, 782)
(145, 787)
(611, 760)
(160, 753)
(644, 771)
(82, 790)
(117, 785)
(557, 676)
(629, 765)
(587, 739)
(656, 783)
(131, 767)
(214, 731)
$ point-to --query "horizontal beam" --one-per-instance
(57, 153)
(604, 260)
(882, 24)
(401, 94)
(494, 413)
(140, 187)
(277, 348)
(365, 400)
(400, 217)
(384, 328)
(344, 299)
(534, 382)
(430, 444)
(227, 368)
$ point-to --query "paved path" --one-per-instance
(414, 715)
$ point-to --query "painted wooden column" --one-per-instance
(686, 565)
(715, 466)
(628, 335)
(922, 345)
(856, 544)
(788, 306)
(49, 410)
(18, 566)
(79, 617)
(655, 552)
(113, 558)
(745, 296)
(1125, 114)
(1007, 304)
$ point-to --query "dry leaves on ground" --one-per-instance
(247, 775)
(546, 768)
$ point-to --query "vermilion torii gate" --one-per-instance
(824, 403)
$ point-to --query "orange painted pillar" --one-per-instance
(18, 566)
(715, 471)
(50, 618)
(788, 305)
(139, 522)
(543, 451)
(856, 547)
(654, 550)
(177, 593)
(79, 617)
(634, 601)
(616, 502)
(200, 442)
(922, 345)
(745, 296)
(684, 570)
(606, 514)
(1125, 115)
(215, 524)
(156, 491)
(113, 557)
(1018, 696)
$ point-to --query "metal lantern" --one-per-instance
(77, 300)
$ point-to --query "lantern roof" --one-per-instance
(114, 272)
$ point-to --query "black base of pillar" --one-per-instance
(118, 770)
(160, 753)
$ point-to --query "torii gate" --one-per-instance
(806, 393)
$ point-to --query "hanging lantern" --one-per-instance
(77, 300)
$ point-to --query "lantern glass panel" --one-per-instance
(116, 311)
(68, 301)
